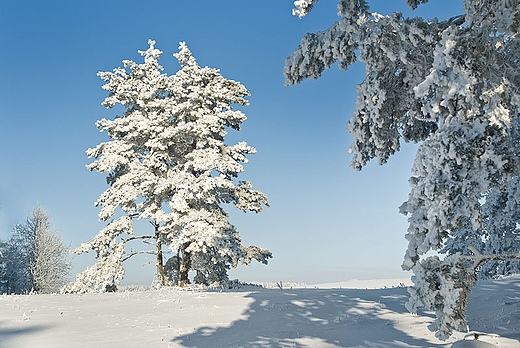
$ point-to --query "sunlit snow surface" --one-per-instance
(250, 317)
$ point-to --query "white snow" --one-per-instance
(251, 317)
(366, 284)
(471, 344)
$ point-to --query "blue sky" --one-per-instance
(326, 222)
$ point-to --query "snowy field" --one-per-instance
(250, 317)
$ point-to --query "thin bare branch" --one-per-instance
(153, 252)
(139, 237)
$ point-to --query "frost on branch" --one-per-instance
(106, 239)
(108, 270)
(34, 258)
(302, 7)
(442, 286)
(454, 86)
(387, 108)
(453, 168)
(499, 234)
(253, 252)
(414, 3)
(493, 15)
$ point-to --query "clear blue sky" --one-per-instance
(326, 222)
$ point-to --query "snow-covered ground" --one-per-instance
(366, 284)
(250, 317)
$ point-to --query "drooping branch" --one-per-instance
(153, 252)
(139, 237)
(478, 258)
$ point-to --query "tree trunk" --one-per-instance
(178, 265)
(160, 267)
(185, 265)
(186, 257)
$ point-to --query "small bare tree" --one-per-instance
(35, 258)
(50, 266)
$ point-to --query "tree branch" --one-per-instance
(139, 252)
(139, 237)
(480, 258)
(154, 224)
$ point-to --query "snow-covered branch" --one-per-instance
(303, 7)
(444, 286)
(480, 258)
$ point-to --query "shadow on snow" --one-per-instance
(9, 334)
(298, 318)
(504, 319)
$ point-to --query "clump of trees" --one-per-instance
(453, 85)
(34, 258)
(167, 162)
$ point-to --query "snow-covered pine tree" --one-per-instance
(452, 84)
(203, 179)
(167, 163)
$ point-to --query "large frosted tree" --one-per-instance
(454, 86)
(167, 163)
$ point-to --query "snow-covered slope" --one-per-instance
(251, 317)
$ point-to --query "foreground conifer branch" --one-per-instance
(454, 86)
